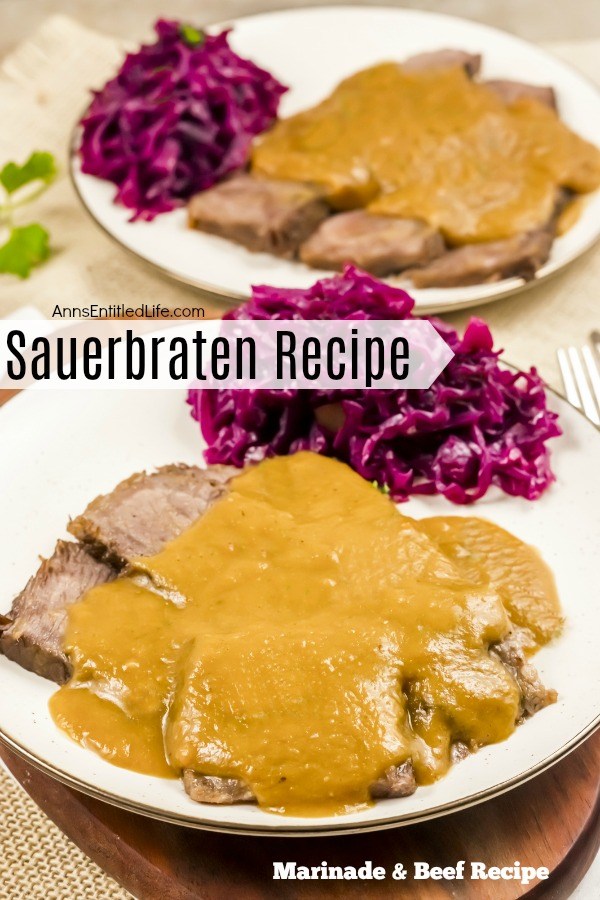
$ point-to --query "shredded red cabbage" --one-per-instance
(479, 424)
(179, 115)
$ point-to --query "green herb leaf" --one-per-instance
(192, 36)
(39, 167)
(25, 248)
(384, 488)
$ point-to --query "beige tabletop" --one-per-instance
(536, 20)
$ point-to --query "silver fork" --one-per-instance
(581, 376)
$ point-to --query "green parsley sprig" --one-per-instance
(27, 245)
(192, 36)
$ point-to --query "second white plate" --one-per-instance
(312, 50)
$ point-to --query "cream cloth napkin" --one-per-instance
(44, 87)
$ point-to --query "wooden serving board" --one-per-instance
(552, 820)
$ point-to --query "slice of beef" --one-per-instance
(214, 789)
(34, 636)
(444, 59)
(146, 511)
(459, 751)
(519, 256)
(398, 781)
(136, 519)
(511, 651)
(263, 214)
(564, 198)
(510, 91)
(379, 244)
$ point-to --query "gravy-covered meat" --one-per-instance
(230, 682)
(139, 516)
(427, 142)
(145, 511)
(213, 789)
(397, 781)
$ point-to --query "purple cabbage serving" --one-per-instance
(479, 424)
(179, 115)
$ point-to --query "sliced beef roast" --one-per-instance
(137, 519)
(214, 789)
(262, 214)
(398, 781)
(145, 511)
(511, 651)
(510, 91)
(34, 636)
(378, 244)
(519, 256)
(444, 59)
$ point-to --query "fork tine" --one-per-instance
(593, 374)
(594, 339)
(587, 400)
(571, 392)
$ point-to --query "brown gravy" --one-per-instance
(433, 145)
(308, 636)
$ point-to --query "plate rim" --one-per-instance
(512, 285)
(300, 831)
(312, 830)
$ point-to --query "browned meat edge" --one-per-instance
(32, 634)
(379, 244)
(510, 91)
(519, 256)
(263, 214)
(144, 512)
(534, 696)
(214, 789)
(444, 59)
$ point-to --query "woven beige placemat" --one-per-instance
(37, 861)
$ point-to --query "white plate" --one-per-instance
(311, 50)
(60, 450)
